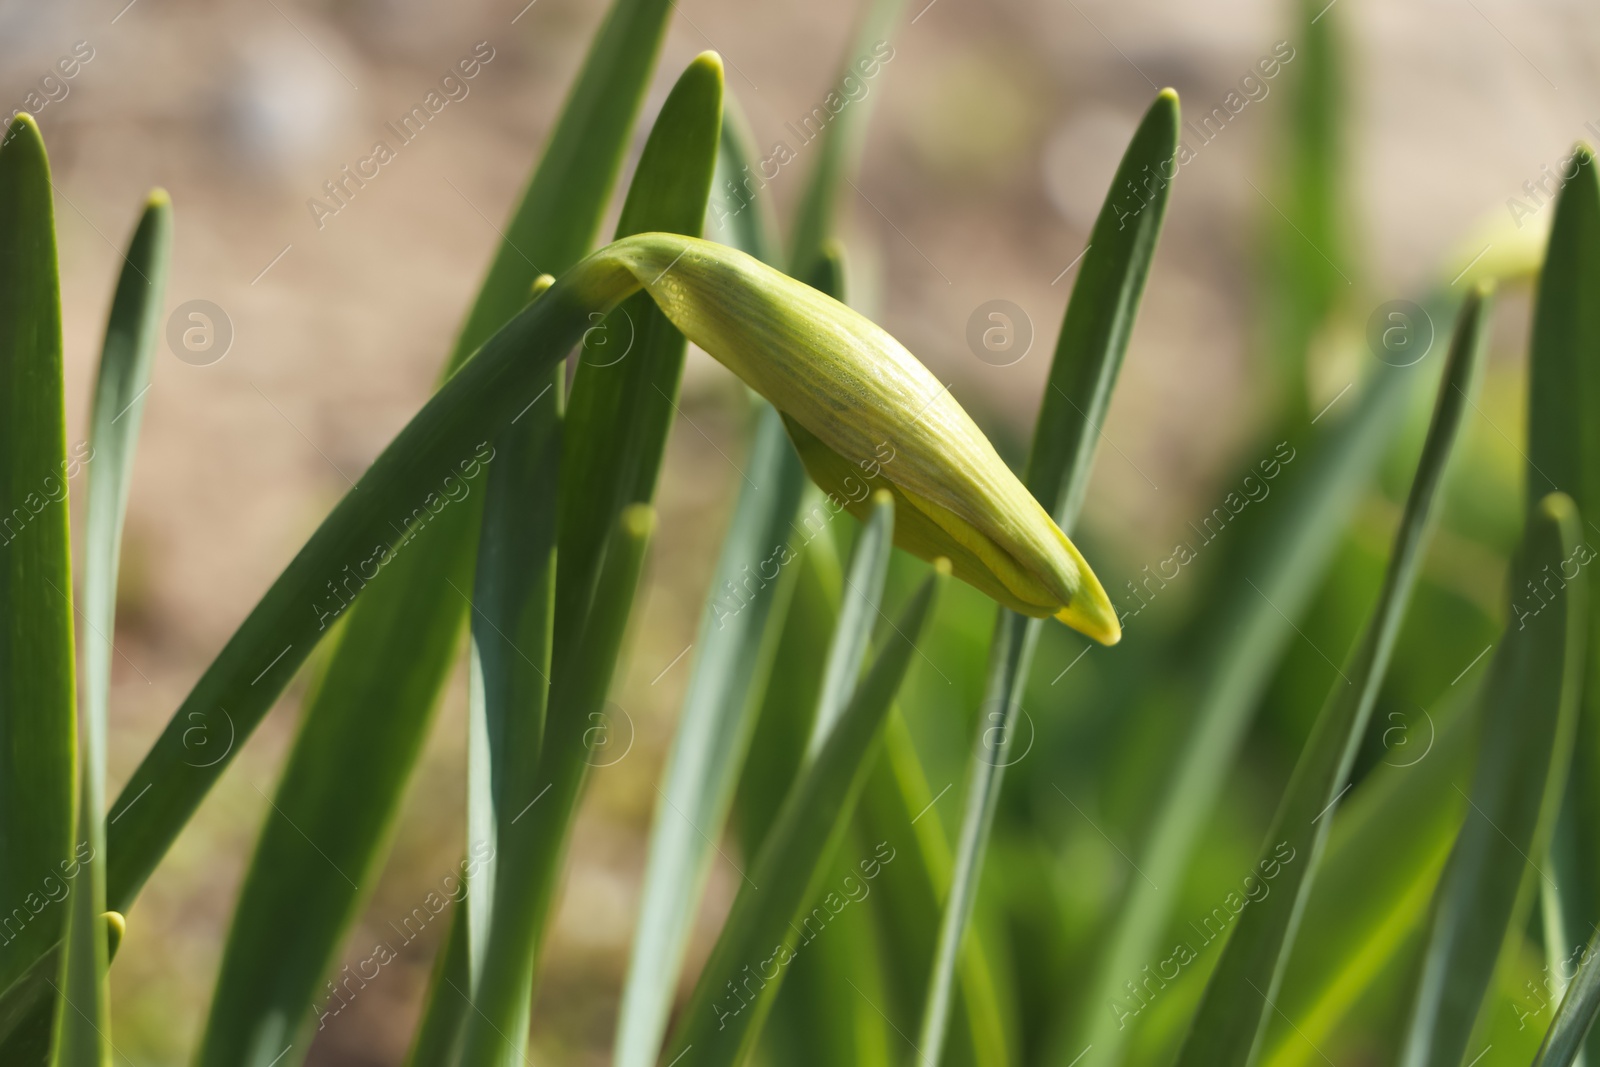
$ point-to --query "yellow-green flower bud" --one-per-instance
(864, 413)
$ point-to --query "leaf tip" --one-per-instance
(24, 128)
(709, 61)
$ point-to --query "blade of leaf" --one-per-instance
(839, 152)
(83, 1022)
(897, 806)
(578, 168)
(1564, 453)
(1389, 842)
(1564, 1042)
(1230, 1023)
(719, 1025)
(818, 1017)
(1290, 551)
(1088, 356)
(413, 617)
(742, 220)
(709, 746)
(622, 409)
(1529, 712)
(1306, 216)
(38, 743)
(733, 652)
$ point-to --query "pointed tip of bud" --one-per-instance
(1091, 613)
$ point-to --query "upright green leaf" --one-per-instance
(1575, 1017)
(621, 411)
(1232, 1018)
(841, 140)
(1290, 553)
(1389, 842)
(764, 930)
(1094, 336)
(1305, 212)
(569, 743)
(1564, 453)
(734, 649)
(83, 1021)
(382, 684)
(897, 806)
(1529, 712)
(38, 743)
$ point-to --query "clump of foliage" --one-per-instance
(1390, 906)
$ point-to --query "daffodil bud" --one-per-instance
(864, 413)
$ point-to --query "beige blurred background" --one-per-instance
(997, 128)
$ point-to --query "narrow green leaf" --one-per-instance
(38, 743)
(83, 1022)
(1289, 552)
(819, 1016)
(1230, 1025)
(736, 215)
(735, 650)
(1389, 843)
(513, 619)
(438, 1035)
(1094, 337)
(1564, 453)
(1564, 1043)
(760, 938)
(381, 686)
(582, 158)
(1306, 214)
(616, 432)
(559, 215)
(897, 806)
(841, 140)
(1529, 712)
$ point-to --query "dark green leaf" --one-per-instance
(1529, 712)
(1230, 1024)
(1564, 453)
(83, 1022)
(37, 714)
(719, 1024)
(1094, 337)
